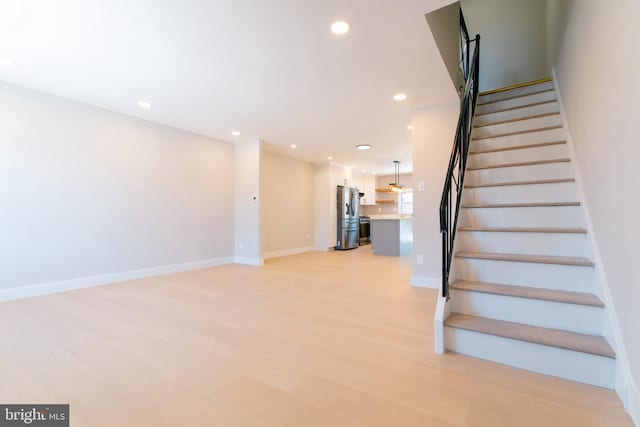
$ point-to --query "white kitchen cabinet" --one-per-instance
(369, 190)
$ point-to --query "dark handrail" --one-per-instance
(465, 44)
(450, 202)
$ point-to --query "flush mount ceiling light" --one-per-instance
(144, 105)
(293, 146)
(235, 133)
(329, 158)
(7, 63)
(400, 96)
(340, 27)
(363, 146)
(396, 186)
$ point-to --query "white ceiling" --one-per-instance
(270, 69)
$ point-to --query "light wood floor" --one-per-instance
(319, 339)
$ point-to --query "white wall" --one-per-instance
(322, 206)
(248, 201)
(85, 192)
(287, 205)
(433, 132)
(596, 66)
(513, 40)
(557, 12)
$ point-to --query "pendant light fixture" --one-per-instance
(396, 186)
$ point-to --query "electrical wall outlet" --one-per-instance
(419, 260)
(421, 186)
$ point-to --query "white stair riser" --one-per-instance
(549, 152)
(562, 192)
(521, 91)
(520, 173)
(549, 276)
(518, 140)
(549, 107)
(559, 244)
(516, 102)
(517, 126)
(546, 314)
(557, 216)
(581, 367)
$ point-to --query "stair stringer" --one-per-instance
(443, 309)
(624, 385)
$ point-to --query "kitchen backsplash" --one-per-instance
(378, 209)
(382, 181)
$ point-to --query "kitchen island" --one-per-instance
(391, 235)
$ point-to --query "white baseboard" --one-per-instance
(426, 282)
(105, 279)
(287, 252)
(248, 261)
(633, 403)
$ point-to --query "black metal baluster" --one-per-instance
(458, 161)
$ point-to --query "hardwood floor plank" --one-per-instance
(323, 338)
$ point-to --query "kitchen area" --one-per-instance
(376, 210)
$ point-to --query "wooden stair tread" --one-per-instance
(519, 147)
(516, 96)
(518, 119)
(580, 298)
(533, 104)
(516, 164)
(517, 132)
(526, 229)
(520, 205)
(584, 343)
(533, 182)
(537, 259)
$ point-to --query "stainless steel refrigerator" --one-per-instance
(348, 221)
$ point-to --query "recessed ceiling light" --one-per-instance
(293, 146)
(235, 133)
(329, 158)
(144, 104)
(340, 27)
(400, 96)
(363, 146)
(410, 127)
(7, 63)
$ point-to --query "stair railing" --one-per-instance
(465, 47)
(454, 182)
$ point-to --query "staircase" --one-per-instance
(522, 284)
